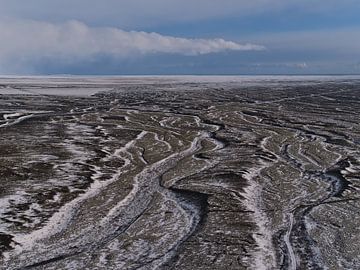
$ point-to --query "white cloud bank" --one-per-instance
(75, 40)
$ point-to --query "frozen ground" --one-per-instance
(179, 172)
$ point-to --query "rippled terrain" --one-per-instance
(180, 173)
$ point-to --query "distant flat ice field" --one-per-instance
(55, 91)
(90, 85)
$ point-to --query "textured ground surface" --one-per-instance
(154, 173)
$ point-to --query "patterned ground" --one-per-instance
(159, 173)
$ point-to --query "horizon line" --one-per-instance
(177, 75)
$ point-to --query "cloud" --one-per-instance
(300, 65)
(32, 40)
(303, 65)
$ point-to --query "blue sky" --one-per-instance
(179, 37)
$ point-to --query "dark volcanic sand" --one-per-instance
(180, 173)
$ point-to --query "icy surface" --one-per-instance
(180, 172)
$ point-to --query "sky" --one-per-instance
(163, 37)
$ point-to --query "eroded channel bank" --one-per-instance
(180, 175)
